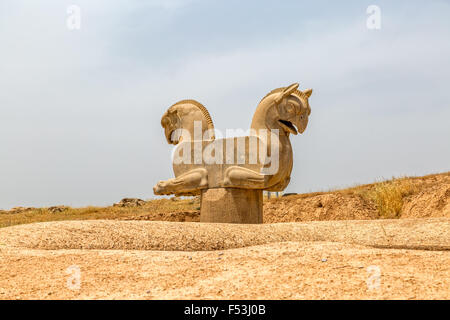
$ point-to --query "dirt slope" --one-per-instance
(433, 199)
(330, 206)
(415, 197)
(427, 196)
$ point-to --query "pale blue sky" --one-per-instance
(80, 110)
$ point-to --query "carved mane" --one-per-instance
(203, 110)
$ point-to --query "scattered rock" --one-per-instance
(130, 202)
(58, 209)
(289, 194)
(19, 210)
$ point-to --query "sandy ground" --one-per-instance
(377, 259)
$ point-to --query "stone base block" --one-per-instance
(231, 205)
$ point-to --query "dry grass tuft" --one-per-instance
(155, 209)
(389, 196)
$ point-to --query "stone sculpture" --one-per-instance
(231, 173)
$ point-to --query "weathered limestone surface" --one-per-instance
(231, 205)
(231, 173)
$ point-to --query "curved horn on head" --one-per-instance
(286, 92)
(308, 92)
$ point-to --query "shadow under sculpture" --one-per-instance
(230, 174)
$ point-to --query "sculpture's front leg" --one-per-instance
(241, 177)
(188, 182)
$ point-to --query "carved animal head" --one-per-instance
(286, 109)
(179, 120)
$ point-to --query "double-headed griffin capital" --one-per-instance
(261, 160)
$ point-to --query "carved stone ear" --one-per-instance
(289, 90)
(308, 92)
(168, 117)
(165, 119)
(286, 92)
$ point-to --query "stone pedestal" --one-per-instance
(231, 205)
